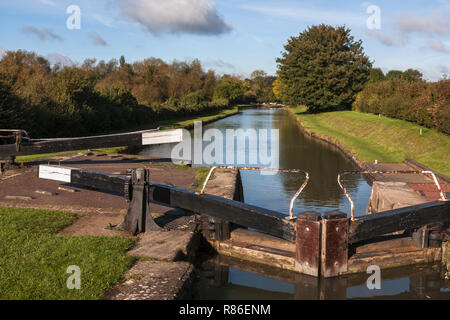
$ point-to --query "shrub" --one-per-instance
(427, 104)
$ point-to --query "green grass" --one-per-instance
(370, 137)
(166, 124)
(200, 177)
(34, 259)
(180, 166)
(186, 122)
(36, 157)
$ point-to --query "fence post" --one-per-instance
(6, 163)
(222, 230)
(139, 218)
(307, 259)
(334, 244)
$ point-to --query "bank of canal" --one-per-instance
(224, 278)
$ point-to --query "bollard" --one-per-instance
(307, 259)
(334, 244)
(139, 218)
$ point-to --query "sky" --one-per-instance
(229, 36)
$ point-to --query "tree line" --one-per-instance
(414, 100)
(326, 69)
(104, 96)
(407, 96)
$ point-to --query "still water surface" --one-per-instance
(296, 151)
(225, 278)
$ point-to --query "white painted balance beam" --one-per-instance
(162, 137)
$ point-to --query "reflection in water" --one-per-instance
(227, 278)
(297, 151)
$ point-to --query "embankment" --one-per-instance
(367, 137)
(326, 139)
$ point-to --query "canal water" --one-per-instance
(226, 278)
(296, 151)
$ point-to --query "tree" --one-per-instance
(14, 112)
(413, 75)
(277, 89)
(122, 61)
(323, 68)
(376, 74)
(394, 74)
(230, 89)
(261, 87)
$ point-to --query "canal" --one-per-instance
(227, 278)
(296, 151)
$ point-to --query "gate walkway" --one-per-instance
(421, 183)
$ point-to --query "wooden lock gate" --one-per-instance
(322, 242)
(26, 146)
(268, 221)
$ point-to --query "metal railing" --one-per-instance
(442, 194)
(17, 134)
(297, 194)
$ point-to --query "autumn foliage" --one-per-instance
(425, 103)
(98, 97)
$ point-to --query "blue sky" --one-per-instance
(229, 36)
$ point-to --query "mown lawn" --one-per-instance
(34, 259)
(370, 137)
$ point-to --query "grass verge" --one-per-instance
(200, 177)
(164, 125)
(185, 123)
(34, 259)
(370, 137)
(36, 157)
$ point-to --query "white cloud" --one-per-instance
(310, 15)
(175, 16)
(444, 69)
(97, 39)
(438, 46)
(48, 2)
(2, 52)
(43, 34)
(433, 24)
(56, 58)
(425, 27)
(106, 21)
(218, 63)
(391, 41)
